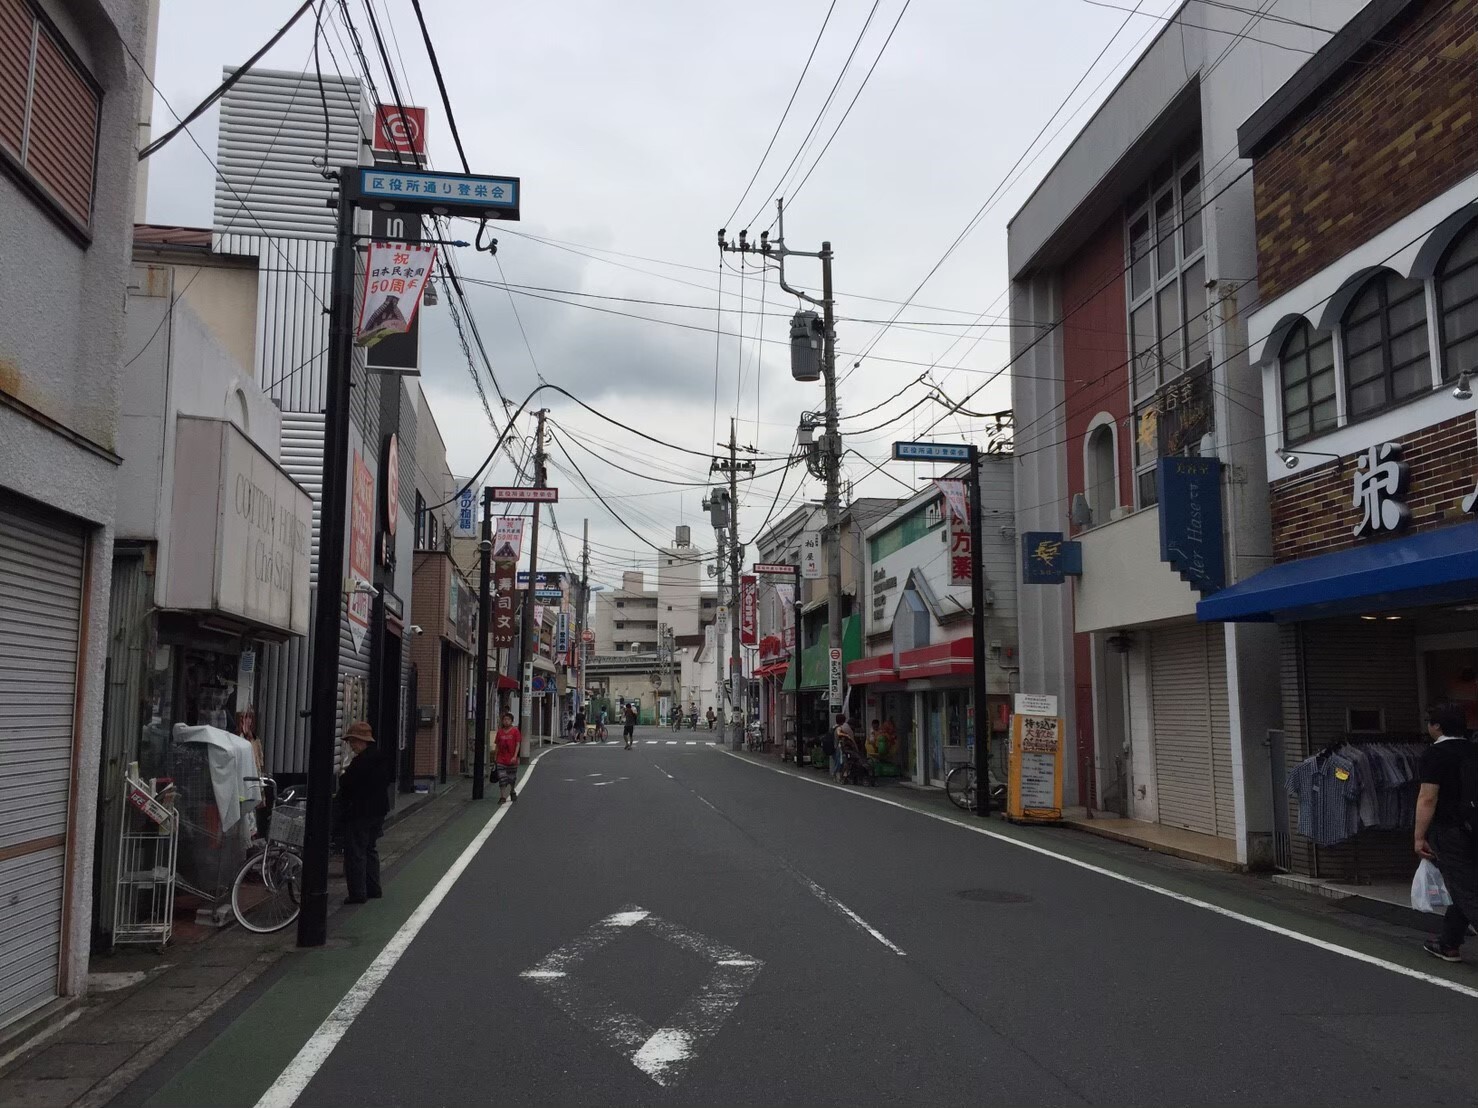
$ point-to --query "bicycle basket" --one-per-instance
(288, 821)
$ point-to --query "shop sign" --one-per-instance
(399, 130)
(549, 594)
(465, 618)
(505, 612)
(883, 583)
(834, 679)
(1381, 480)
(562, 635)
(466, 527)
(961, 556)
(1041, 558)
(508, 537)
(396, 353)
(1034, 784)
(811, 556)
(239, 530)
(361, 554)
(395, 276)
(1191, 539)
(749, 613)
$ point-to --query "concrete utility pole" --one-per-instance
(733, 467)
(831, 444)
(582, 615)
(528, 634)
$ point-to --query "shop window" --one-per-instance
(1457, 305)
(1385, 344)
(1167, 309)
(1306, 364)
(49, 110)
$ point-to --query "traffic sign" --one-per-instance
(776, 569)
(587, 635)
(525, 495)
(429, 193)
(931, 452)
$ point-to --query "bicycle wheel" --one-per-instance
(265, 896)
(960, 785)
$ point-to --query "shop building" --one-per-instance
(917, 676)
(211, 555)
(67, 186)
(443, 651)
(1139, 438)
(1364, 333)
(782, 544)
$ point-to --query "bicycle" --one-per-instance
(959, 786)
(267, 893)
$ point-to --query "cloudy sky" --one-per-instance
(635, 128)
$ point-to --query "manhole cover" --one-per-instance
(993, 896)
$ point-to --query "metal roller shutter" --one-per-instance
(41, 570)
(1192, 729)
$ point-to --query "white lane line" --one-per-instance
(650, 742)
(290, 1084)
(665, 774)
(671, 742)
(692, 742)
(832, 902)
(1195, 902)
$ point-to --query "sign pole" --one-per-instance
(324, 689)
(484, 629)
(977, 634)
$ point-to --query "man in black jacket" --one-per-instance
(363, 801)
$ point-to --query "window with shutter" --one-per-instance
(49, 110)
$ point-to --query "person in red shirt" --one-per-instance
(506, 745)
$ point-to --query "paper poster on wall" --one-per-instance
(1034, 785)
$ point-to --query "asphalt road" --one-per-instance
(672, 925)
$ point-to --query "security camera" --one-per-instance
(417, 629)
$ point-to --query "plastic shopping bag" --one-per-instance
(1428, 890)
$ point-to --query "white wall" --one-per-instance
(1124, 583)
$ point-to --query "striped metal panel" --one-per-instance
(61, 138)
(17, 31)
(282, 697)
(42, 558)
(1192, 729)
(272, 130)
(302, 458)
(129, 636)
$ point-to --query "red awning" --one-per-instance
(945, 659)
(774, 669)
(506, 682)
(878, 667)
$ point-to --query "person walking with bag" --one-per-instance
(363, 801)
(506, 745)
(1445, 811)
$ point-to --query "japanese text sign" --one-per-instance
(466, 514)
(1191, 538)
(961, 556)
(531, 495)
(1381, 480)
(441, 193)
(505, 604)
(931, 452)
(395, 276)
(811, 555)
(834, 679)
(508, 538)
(749, 609)
(1041, 558)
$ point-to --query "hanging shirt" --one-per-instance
(1328, 798)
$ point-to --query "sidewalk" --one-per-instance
(140, 1004)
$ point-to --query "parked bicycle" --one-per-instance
(267, 893)
(959, 786)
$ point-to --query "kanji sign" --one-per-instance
(526, 495)
(1381, 479)
(505, 603)
(811, 555)
(961, 558)
(773, 569)
(395, 275)
(834, 679)
(399, 131)
(931, 452)
(466, 514)
(440, 193)
(749, 609)
(508, 538)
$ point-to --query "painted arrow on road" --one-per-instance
(662, 1053)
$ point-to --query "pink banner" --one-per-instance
(749, 610)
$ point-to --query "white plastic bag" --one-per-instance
(1428, 890)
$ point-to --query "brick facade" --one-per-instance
(1394, 131)
(1314, 513)
(430, 588)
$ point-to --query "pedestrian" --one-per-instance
(842, 738)
(579, 725)
(711, 717)
(507, 744)
(628, 724)
(363, 801)
(1441, 837)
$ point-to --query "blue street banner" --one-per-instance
(931, 452)
(1191, 538)
(431, 193)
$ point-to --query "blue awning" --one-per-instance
(1433, 567)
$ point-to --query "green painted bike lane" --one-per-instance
(241, 1062)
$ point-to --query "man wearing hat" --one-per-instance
(362, 803)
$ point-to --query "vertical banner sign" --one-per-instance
(562, 636)
(785, 597)
(961, 557)
(505, 610)
(466, 514)
(749, 609)
(508, 538)
(1034, 786)
(396, 353)
(395, 275)
(1191, 539)
(811, 556)
(834, 679)
(361, 550)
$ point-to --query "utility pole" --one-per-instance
(528, 634)
(582, 609)
(733, 467)
(720, 647)
(831, 445)
(484, 629)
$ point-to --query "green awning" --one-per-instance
(815, 661)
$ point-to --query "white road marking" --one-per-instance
(662, 1053)
(598, 784)
(671, 742)
(650, 742)
(832, 902)
(291, 1082)
(664, 773)
(595, 775)
(692, 742)
(1195, 902)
